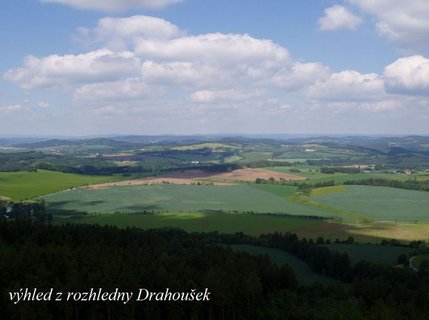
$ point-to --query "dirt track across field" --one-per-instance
(190, 177)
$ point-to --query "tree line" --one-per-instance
(379, 182)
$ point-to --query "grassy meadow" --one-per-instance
(27, 185)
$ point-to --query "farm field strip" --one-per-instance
(380, 203)
(199, 176)
(327, 190)
(346, 203)
(334, 211)
(314, 176)
(27, 185)
(388, 230)
(254, 224)
(150, 181)
(250, 175)
(280, 190)
(289, 192)
(174, 198)
(251, 224)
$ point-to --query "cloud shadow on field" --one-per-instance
(94, 202)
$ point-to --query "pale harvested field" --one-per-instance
(391, 230)
(149, 181)
(4, 198)
(184, 179)
(369, 231)
(189, 177)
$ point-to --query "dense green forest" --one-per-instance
(80, 257)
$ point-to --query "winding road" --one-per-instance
(411, 264)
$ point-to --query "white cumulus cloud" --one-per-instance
(122, 33)
(300, 75)
(409, 75)
(186, 74)
(211, 60)
(339, 17)
(403, 22)
(149, 61)
(214, 48)
(348, 85)
(209, 96)
(131, 89)
(55, 70)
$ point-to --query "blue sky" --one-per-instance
(75, 67)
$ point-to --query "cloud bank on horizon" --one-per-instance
(145, 74)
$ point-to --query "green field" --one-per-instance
(314, 175)
(253, 156)
(26, 185)
(176, 198)
(371, 252)
(232, 159)
(256, 224)
(301, 269)
(252, 224)
(349, 203)
(279, 190)
(380, 203)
